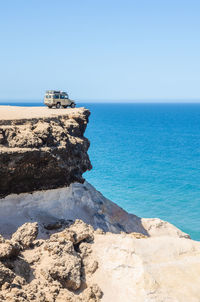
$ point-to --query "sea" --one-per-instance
(146, 158)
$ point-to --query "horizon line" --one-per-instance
(125, 101)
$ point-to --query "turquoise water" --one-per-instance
(146, 158)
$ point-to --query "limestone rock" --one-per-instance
(66, 270)
(6, 275)
(8, 249)
(56, 269)
(92, 294)
(157, 227)
(136, 235)
(82, 231)
(81, 265)
(57, 208)
(163, 268)
(59, 245)
(26, 234)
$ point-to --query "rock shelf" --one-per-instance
(42, 148)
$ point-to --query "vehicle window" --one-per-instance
(56, 96)
(47, 96)
(62, 96)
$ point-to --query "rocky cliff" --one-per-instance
(47, 255)
(80, 264)
(42, 149)
(58, 269)
(52, 209)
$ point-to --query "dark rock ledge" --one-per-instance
(42, 151)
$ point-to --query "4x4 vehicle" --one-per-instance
(58, 99)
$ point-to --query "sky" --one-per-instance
(100, 50)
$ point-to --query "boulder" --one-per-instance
(6, 275)
(25, 235)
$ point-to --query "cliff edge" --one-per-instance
(42, 149)
(62, 240)
(43, 154)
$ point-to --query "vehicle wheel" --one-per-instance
(49, 107)
(58, 105)
(72, 105)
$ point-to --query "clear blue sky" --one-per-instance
(100, 49)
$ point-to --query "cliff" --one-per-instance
(47, 255)
(52, 209)
(80, 264)
(42, 149)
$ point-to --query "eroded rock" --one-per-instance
(25, 235)
(42, 152)
(9, 249)
(6, 275)
(55, 269)
(66, 270)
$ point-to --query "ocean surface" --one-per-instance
(146, 158)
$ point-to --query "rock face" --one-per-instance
(79, 264)
(52, 209)
(42, 152)
(58, 269)
(154, 269)
(53, 256)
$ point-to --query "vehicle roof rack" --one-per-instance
(56, 92)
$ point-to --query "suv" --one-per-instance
(58, 99)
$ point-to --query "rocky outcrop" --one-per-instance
(79, 264)
(42, 152)
(153, 269)
(25, 235)
(53, 209)
(58, 269)
(47, 254)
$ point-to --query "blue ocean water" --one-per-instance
(146, 158)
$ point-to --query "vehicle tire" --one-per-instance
(49, 107)
(72, 105)
(58, 105)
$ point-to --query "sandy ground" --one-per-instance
(14, 112)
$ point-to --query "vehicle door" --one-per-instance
(62, 99)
